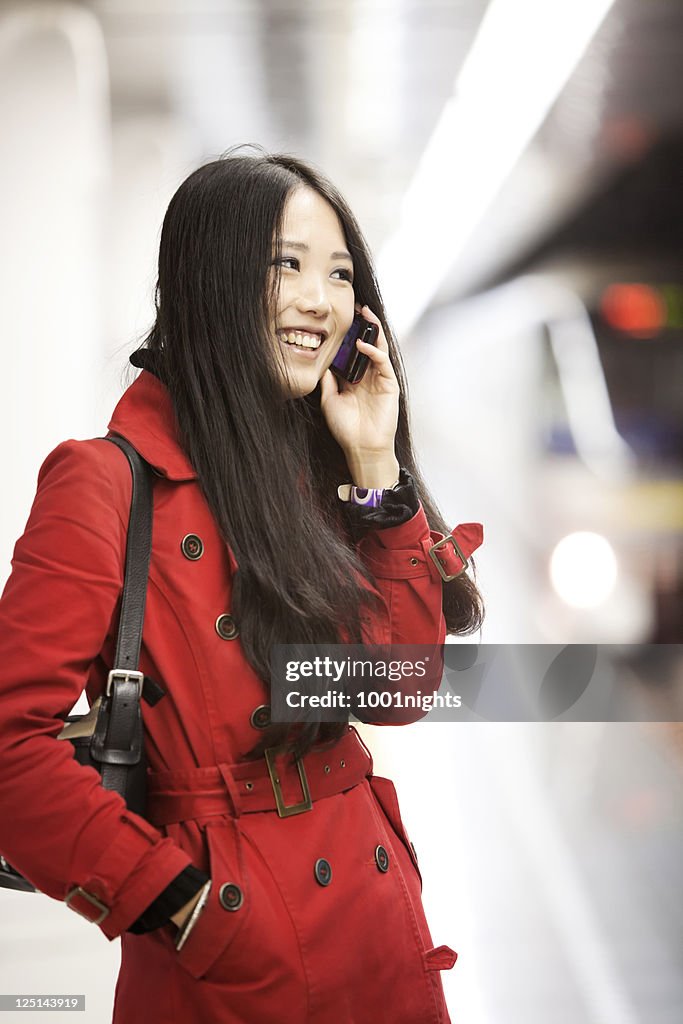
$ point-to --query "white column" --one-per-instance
(54, 159)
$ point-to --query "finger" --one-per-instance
(328, 386)
(380, 359)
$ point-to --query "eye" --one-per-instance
(345, 275)
(285, 261)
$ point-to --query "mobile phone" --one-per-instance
(349, 363)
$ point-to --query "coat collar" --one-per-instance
(145, 416)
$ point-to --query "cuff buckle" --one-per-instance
(78, 892)
(450, 539)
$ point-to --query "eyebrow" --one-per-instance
(341, 254)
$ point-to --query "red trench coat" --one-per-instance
(354, 951)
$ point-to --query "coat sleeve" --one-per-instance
(59, 826)
(411, 607)
(410, 586)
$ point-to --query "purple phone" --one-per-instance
(349, 363)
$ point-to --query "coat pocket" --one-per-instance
(228, 905)
(385, 794)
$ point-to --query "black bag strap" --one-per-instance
(117, 739)
(138, 553)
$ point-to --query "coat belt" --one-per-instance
(251, 786)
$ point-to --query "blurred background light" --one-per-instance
(519, 61)
(583, 569)
(635, 309)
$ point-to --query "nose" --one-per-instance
(312, 296)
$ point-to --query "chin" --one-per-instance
(301, 388)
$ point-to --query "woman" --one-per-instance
(229, 907)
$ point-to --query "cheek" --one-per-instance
(347, 309)
(279, 298)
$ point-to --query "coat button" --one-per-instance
(260, 716)
(230, 896)
(382, 858)
(192, 546)
(323, 871)
(226, 627)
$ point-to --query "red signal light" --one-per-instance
(635, 309)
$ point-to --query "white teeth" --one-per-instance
(300, 339)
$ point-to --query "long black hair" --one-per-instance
(269, 468)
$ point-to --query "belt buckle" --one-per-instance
(444, 575)
(287, 810)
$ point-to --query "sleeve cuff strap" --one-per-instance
(127, 876)
(448, 557)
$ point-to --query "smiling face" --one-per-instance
(314, 297)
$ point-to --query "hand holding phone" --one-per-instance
(349, 363)
(363, 420)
